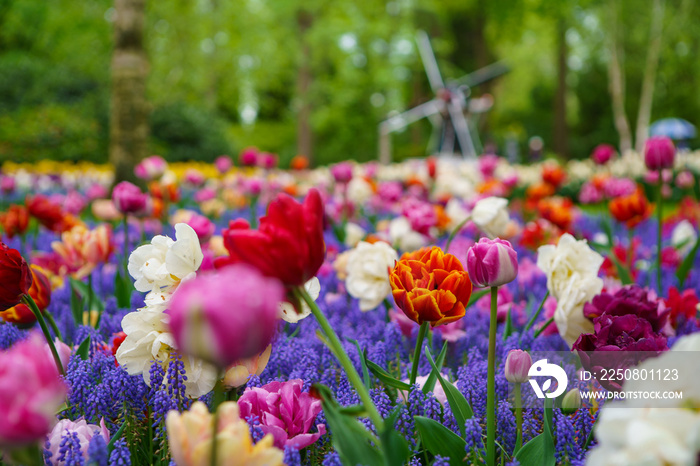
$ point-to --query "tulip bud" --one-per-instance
(518, 364)
(128, 198)
(492, 262)
(571, 401)
(659, 153)
(342, 172)
(602, 153)
(226, 316)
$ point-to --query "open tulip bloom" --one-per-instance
(428, 311)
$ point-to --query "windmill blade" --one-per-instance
(404, 119)
(429, 61)
(462, 130)
(483, 75)
(433, 146)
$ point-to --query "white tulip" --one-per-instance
(368, 273)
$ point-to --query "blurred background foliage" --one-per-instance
(225, 75)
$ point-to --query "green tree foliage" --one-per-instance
(225, 75)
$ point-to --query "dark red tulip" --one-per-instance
(15, 277)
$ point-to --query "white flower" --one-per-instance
(572, 279)
(368, 273)
(456, 211)
(659, 431)
(148, 339)
(353, 234)
(684, 237)
(491, 216)
(359, 190)
(404, 237)
(287, 312)
(165, 262)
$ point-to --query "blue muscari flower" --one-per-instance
(97, 451)
(406, 426)
(9, 335)
(256, 433)
(432, 408)
(346, 395)
(505, 426)
(332, 459)
(441, 461)
(416, 401)
(120, 456)
(472, 435)
(415, 461)
(378, 354)
(291, 457)
(69, 452)
(566, 446)
(513, 462)
(381, 401)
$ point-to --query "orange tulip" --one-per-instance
(40, 291)
(431, 287)
(15, 221)
(82, 249)
(631, 209)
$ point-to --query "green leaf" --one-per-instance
(439, 440)
(386, 378)
(84, 349)
(432, 378)
(350, 438)
(508, 329)
(115, 437)
(459, 405)
(122, 290)
(76, 305)
(622, 270)
(687, 264)
(394, 446)
(363, 363)
(477, 295)
(607, 229)
(540, 450)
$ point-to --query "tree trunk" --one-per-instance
(129, 109)
(652, 63)
(304, 78)
(617, 85)
(561, 129)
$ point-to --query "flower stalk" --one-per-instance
(659, 213)
(343, 359)
(29, 302)
(491, 383)
(416, 354)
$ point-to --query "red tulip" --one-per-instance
(40, 291)
(15, 277)
(15, 221)
(289, 243)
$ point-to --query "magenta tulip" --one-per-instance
(518, 364)
(602, 153)
(128, 198)
(659, 153)
(492, 262)
(225, 316)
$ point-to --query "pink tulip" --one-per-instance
(267, 160)
(342, 172)
(492, 262)
(284, 411)
(518, 364)
(151, 168)
(488, 164)
(204, 194)
(82, 429)
(31, 392)
(202, 226)
(96, 191)
(224, 316)
(223, 163)
(129, 199)
(685, 179)
(248, 157)
(194, 177)
(659, 153)
(602, 153)
(7, 184)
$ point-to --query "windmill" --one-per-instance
(446, 111)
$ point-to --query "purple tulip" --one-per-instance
(284, 411)
(492, 262)
(602, 153)
(342, 172)
(659, 153)
(224, 316)
(518, 364)
(128, 198)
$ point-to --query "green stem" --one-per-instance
(54, 327)
(26, 299)
(534, 317)
(491, 383)
(659, 213)
(518, 416)
(416, 354)
(546, 324)
(254, 212)
(343, 359)
(126, 243)
(454, 233)
(215, 403)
